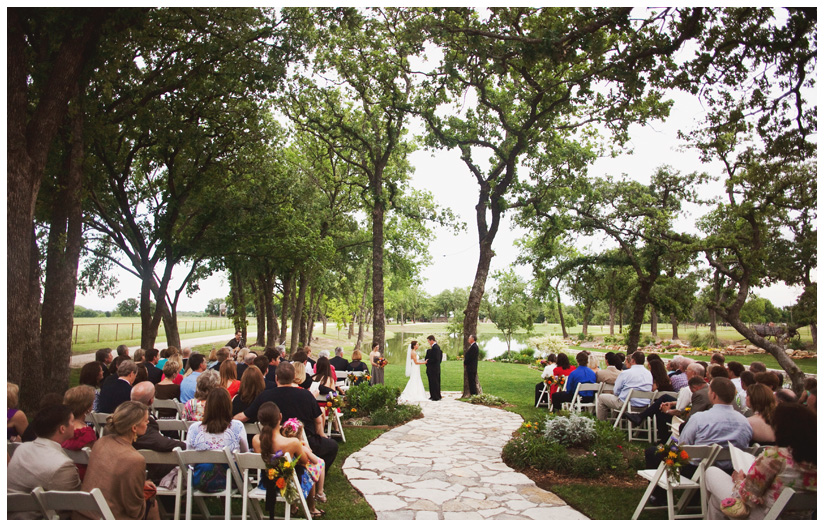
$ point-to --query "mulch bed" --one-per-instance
(547, 479)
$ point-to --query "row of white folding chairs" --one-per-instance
(577, 405)
(49, 503)
(334, 427)
(649, 426)
(343, 376)
(165, 424)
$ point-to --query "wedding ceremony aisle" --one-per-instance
(448, 466)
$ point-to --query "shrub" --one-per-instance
(584, 337)
(615, 340)
(646, 339)
(548, 344)
(397, 415)
(703, 340)
(487, 399)
(368, 398)
(535, 450)
(571, 431)
(517, 356)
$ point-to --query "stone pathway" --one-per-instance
(448, 466)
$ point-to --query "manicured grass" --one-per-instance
(613, 502)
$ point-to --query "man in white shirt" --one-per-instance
(636, 377)
(43, 462)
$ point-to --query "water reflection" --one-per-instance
(492, 344)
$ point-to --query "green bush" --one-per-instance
(703, 340)
(487, 399)
(646, 339)
(585, 337)
(615, 340)
(397, 415)
(368, 398)
(548, 344)
(524, 357)
(575, 430)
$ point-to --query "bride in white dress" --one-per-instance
(414, 391)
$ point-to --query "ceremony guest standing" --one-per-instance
(433, 360)
(377, 374)
(43, 462)
(582, 374)
(471, 365)
(117, 469)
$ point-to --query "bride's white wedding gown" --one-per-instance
(414, 391)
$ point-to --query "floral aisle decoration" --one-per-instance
(278, 478)
(557, 381)
(674, 458)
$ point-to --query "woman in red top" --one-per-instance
(563, 368)
(80, 400)
(229, 377)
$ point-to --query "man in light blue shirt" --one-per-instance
(187, 387)
(720, 424)
(636, 377)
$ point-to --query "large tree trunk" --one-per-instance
(639, 305)
(560, 307)
(362, 312)
(65, 241)
(147, 336)
(30, 133)
(260, 311)
(485, 257)
(378, 322)
(612, 315)
(675, 324)
(286, 305)
(654, 323)
(813, 334)
(170, 324)
(298, 312)
(268, 296)
(586, 320)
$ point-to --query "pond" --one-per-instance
(492, 344)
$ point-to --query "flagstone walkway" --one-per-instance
(448, 466)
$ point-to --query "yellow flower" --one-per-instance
(353, 410)
(287, 465)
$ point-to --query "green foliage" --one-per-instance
(615, 339)
(703, 340)
(213, 307)
(80, 311)
(396, 415)
(369, 398)
(511, 306)
(525, 357)
(570, 431)
(128, 307)
(548, 344)
(487, 399)
(584, 337)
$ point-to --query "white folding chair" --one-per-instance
(168, 405)
(790, 500)
(341, 378)
(334, 427)
(627, 408)
(173, 425)
(252, 428)
(187, 460)
(99, 420)
(80, 456)
(577, 405)
(22, 502)
(659, 478)
(251, 493)
(550, 396)
(156, 457)
(11, 447)
(544, 396)
(92, 501)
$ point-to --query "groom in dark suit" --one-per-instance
(433, 359)
(471, 365)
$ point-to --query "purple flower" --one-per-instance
(278, 454)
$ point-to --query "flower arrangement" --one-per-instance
(353, 379)
(334, 400)
(279, 476)
(555, 380)
(673, 456)
(381, 362)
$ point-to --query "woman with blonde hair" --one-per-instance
(16, 421)
(118, 470)
(301, 378)
(206, 383)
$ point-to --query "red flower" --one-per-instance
(281, 483)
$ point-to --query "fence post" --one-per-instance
(76, 328)
(117, 329)
(132, 334)
(98, 332)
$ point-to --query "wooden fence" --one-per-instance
(96, 332)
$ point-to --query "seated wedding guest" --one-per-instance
(142, 374)
(301, 378)
(92, 375)
(762, 402)
(550, 365)
(717, 371)
(665, 407)
(42, 461)
(757, 367)
(80, 400)
(185, 354)
(592, 362)
(206, 383)
(117, 390)
(310, 360)
(197, 365)
(221, 355)
(167, 389)
(735, 369)
(139, 355)
(785, 396)
(768, 378)
(325, 354)
(717, 359)
(680, 378)
(216, 431)
(791, 463)
(661, 381)
(324, 376)
(270, 440)
(265, 365)
(105, 358)
(808, 386)
(653, 356)
(150, 361)
(152, 439)
(296, 402)
(163, 357)
(608, 375)
(563, 368)
(636, 377)
(123, 350)
(252, 384)
(582, 374)
(118, 470)
(248, 360)
(16, 421)
(338, 362)
(229, 377)
(175, 357)
(620, 363)
(50, 399)
(356, 365)
(212, 360)
(747, 379)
